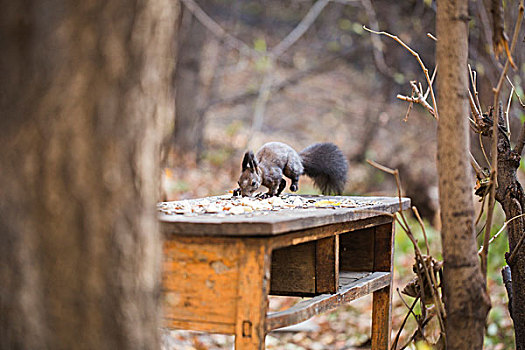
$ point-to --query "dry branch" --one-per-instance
(420, 61)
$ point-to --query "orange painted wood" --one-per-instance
(210, 327)
(253, 288)
(199, 281)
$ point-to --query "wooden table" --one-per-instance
(218, 272)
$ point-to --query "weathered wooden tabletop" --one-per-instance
(281, 221)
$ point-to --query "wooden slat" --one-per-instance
(327, 265)
(293, 270)
(381, 300)
(308, 308)
(312, 234)
(277, 222)
(356, 250)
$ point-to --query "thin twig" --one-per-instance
(416, 55)
(483, 150)
(501, 230)
(396, 340)
(507, 111)
(418, 217)
(476, 166)
(473, 81)
(431, 36)
(419, 98)
(516, 92)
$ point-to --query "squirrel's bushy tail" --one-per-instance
(326, 165)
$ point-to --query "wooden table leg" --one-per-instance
(381, 319)
(382, 306)
(254, 277)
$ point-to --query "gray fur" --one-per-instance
(323, 162)
(327, 166)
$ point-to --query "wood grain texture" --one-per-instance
(293, 270)
(200, 281)
(278, 222)
(382, 299)
(356, 250)
(210, 327)
(355, 289)
(253, 288)
(327, 265)
(316, 233)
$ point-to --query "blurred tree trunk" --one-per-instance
(85, 89)
(189, 121)
(466, 301)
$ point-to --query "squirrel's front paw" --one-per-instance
(237, 192)
(294, 187)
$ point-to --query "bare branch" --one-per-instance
(516, 92)
(418, 98)
(416, 55)
(300, 29)
(218, 31)
(501, 230)
(377, 45)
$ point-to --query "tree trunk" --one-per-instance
(512, 199)
(189, 120)
(466, 301)
(85, 88)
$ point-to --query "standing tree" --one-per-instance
(85, 89)
(189, 120)
(466, 301)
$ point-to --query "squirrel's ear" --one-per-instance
(246, 160)
(254, 163)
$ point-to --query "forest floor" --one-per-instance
(340, 106)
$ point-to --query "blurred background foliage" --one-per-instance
(336, 83)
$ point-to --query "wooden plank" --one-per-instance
(383, 247)
(382, 299)
(293, 270)
(312, 234)
(327, 265)
(210, 327)
(253, 288)
(199, 281)
(308, 308)
(277, 222)
(356, 250)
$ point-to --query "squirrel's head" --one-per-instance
(250, 179)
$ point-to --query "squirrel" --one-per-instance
(323, 162)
